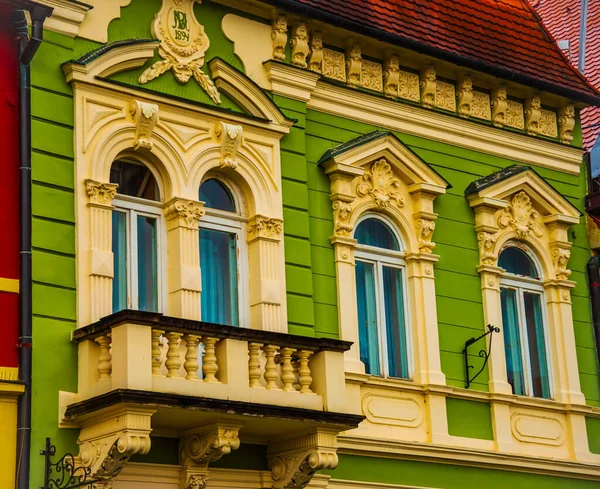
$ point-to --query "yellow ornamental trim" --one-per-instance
(183, 44)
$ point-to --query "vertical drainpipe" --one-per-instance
(27, 47)
(582, 36)
(593, 269)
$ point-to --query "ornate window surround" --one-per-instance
(377, 174)
(517, 205)
(183, 143)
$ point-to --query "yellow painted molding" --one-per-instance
(429, 452)
(9, 374)
(9, 285)
(66, 17)
(10, 390)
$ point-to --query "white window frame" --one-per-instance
(381, 257)
(232, 222)
(527, 284)
(133, 207)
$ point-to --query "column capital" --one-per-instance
(262, 227)
(100, 194)
(183, 213)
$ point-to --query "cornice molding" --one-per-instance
(379, 111)
(66, 17)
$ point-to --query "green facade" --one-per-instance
(309, 255)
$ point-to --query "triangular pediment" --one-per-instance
(498, 188)
(364, 150)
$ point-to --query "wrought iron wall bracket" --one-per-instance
(63, 474)
(482, 354)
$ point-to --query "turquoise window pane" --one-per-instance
(374, 232)
(147, 264)
(395, 326)
(119, 249)
(512, 342)
(218, 262)
(537, 345)
(517, 262)
(367, 317)
(216, 196)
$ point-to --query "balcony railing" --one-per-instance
(151, 352)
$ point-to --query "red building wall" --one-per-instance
(9, 194)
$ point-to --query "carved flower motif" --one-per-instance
(521, 215)
(381, 184)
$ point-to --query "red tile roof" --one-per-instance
(501, 37)
(562, 19)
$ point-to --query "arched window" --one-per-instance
(220, 255)
(523, 321)
(381, 299)
(135, 237)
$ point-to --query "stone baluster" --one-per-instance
(104, 359)
(209, 366)
(254, 364)
(191, 364)
(156, 360)
(173, 361)
(287, 370)
(305, 378)
(271, 375)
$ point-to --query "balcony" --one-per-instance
(207, 383)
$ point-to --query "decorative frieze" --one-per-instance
(183, 44)
(514, 115)
(279, 30)
(230, 136)
(480, 106)
(547, 124)
(264, 227)
(533, 114)
(444, 96)
(566, 123)
(353, 64)
(409, 86)
(341, 213)
(101, 194)
(381, 184)
(499, 107)
(521, 216)
(371, 76)
(183, 213)
(334, 65)
(464, 95)
(144, 116)
(425, 229)
(427, 85)
(315, 62)
(299, 43)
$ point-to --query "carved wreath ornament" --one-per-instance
(380, 183)
(183, 44)
(521, 216)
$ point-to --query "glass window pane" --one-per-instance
(374, 232)
(512, 341)
(134, 179)
(119, 249)
(367, 317)
(537, 345)
(147, 264)
(395, 327)
(218, 262)
(216, 196)
(516, 261)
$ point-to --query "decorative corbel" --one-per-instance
(265, 228)
(279, 37)
(295, 461)
(566, 123)
(353, 64)
(341, 213)
(464, 94)
(198, 448)
(108, 442)
(299, 43)
(183, 213)
(425, 229)
(230, 137)
(315, 62)
(533, 114)
(487, 242)
(100, 194)
(391, 76)
(499, 105)
(560, 259)
(428, 86)
(144, 116)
